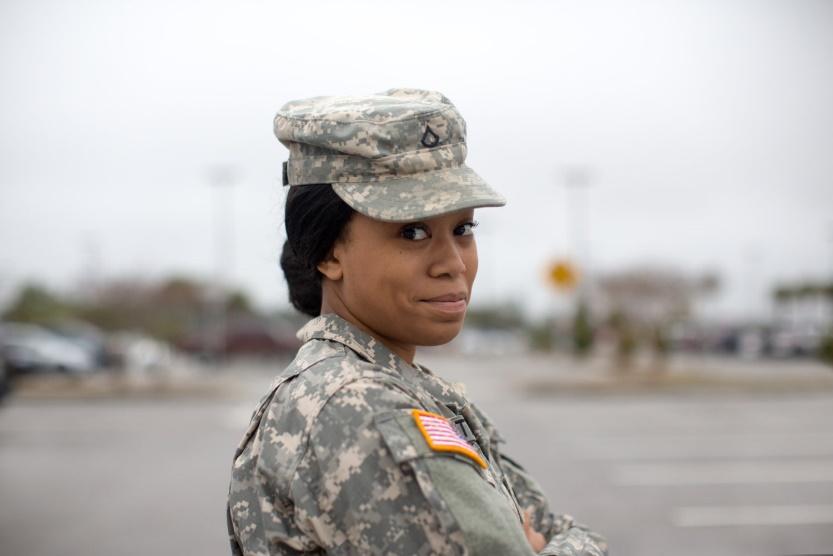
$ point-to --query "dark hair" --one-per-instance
(315, 218)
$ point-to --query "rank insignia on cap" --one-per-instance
(441, 436)
(429, 138)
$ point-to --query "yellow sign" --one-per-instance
(562, 274)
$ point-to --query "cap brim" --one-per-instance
(420, 195)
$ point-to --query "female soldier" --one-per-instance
(357, 449)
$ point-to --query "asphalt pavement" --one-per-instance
(679, 471)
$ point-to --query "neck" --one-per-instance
(405, 351)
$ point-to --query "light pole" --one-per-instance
(577, 181)
(752, 257)
(221, 179)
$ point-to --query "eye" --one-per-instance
(466, 229)
(414, 232)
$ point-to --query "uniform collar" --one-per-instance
(331, 326)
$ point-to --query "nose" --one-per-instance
(446, 257)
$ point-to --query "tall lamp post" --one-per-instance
(577, 180)
(222, 180)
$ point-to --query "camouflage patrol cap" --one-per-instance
(395, 156)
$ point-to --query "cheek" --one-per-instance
(401, 269)
(383, 276)
(470, 258)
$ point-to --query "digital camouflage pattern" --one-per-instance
(333, 463)
(395, 156)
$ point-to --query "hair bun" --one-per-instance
(315, 218)
(304, 282)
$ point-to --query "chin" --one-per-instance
(438, 334)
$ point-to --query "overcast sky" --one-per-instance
(706, 128)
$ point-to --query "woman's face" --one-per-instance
(407, 283)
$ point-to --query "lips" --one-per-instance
(459, 296)
(448, 305)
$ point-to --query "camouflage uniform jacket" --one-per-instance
(335, 462)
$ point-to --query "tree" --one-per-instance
(35, 304)
(582, 330)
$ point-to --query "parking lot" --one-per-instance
(674, 472)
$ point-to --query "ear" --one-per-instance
(331, 267)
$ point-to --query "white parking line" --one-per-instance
(715, 473)
(703, 446)
(728, 516)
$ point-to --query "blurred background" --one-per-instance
(652, 323)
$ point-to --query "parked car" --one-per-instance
(133, 351)
(27, 348)
(85, 335)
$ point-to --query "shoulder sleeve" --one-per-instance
(369, 483)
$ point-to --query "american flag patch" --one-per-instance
(441, 436)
